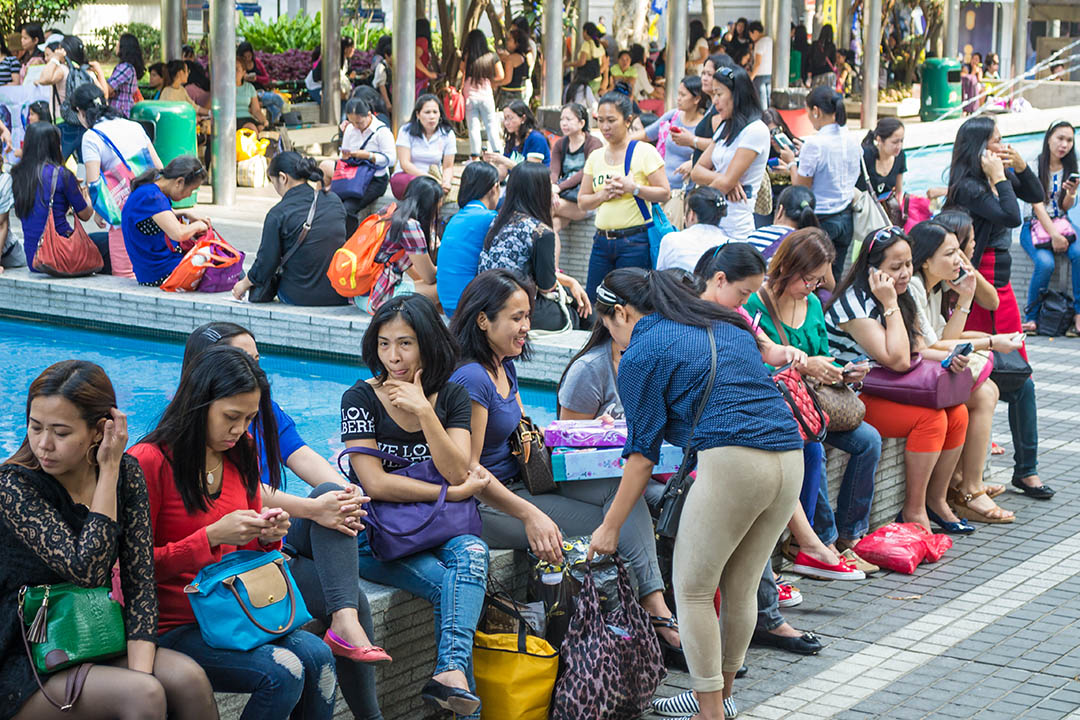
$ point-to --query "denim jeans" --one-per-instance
(768, 601)
(852, 518)
(840, 227)
(480, 115)
(273, 104)
(1044, 270)
(453, 578)
(292, 677)
(763, 85)
(71, 140)
(611, 253)
(1024, 424)
(813, 476)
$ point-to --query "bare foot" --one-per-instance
(786, 630)
(351, 632)
(988, 507)
(1029, 326)
(452, 678)
(822, 554)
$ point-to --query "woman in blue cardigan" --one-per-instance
(520, 139)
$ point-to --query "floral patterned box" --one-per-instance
(571, 464)
(585, 434)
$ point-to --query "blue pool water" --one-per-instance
(145, 373)
(928, 167)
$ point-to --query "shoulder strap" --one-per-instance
(642, 206)
(768, 303)
(110, 144)
(708, 391)
(303, 233)
(56, 172)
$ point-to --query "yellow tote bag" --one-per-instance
(515, 675)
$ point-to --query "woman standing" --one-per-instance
(735, 162)
(124, 81)
(74, 505)
(698, 50)
(619, 195)
(302, 280)
(670, 336)
(822, 59)
(516, 69)
(425, 146)
(593, 59)
(568, 163)
(521, 140)
(829, 164)
(31, 37)
(987, 178)
(480, 68)
(886, 163)
(69, 55)
(425, 73)
(1057, 168)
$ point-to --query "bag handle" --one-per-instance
(494, 601)
(52, 192)
(372, 515)
(303, 232)
(230, 582)
(642, 206)
(763, 294)
(76, 678)
(109, 142)
(783, 388)
(870, 190)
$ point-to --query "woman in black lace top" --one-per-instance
(71, 505)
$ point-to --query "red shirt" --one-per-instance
(181, 548)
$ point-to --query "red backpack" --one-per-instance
(353, 269)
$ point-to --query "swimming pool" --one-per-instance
(928, 167)
(145, 372)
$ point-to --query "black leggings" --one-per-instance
(326, 568)
(353, 207)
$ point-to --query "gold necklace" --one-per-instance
(210, 474)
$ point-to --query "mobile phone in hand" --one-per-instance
(960, 275)
(1074, 176)
(270, 513)
(963, 349)
(783, 141)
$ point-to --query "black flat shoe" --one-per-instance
(805, 644)
(673, 656)
(742, 672)
(456, 700)
(1043, 492)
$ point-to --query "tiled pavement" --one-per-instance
(990, 631)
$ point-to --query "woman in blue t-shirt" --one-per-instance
(149, 222)
(463, 237)
(520, 140)
(749, 463)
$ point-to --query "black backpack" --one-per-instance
(1056, 314)
(78, 76)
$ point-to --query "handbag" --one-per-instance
(534, 459)
(671, 503)
(812, 420)
(839, 402)
(868, 215)
(246, 600)
(612, 662)
(71, 626)
(1055, 313)
(454, 104)
(1011, 370)
(209, 251)
(268, 290)
(514, 671)
(66, 256)
(763, 204)
(112, 188)
(925, 384)
(222, 278)
(399, 529)
(1040, 238)
(352, 177)
(659, 225)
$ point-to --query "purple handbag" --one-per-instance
(399, 529)
(925, 384)
(222, 279)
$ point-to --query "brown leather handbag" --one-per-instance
(534, 459)
(66, 256)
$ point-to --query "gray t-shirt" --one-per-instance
(589, 386)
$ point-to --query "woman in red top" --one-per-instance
(202, 476)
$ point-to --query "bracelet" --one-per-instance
(966, 310)
(890, 311)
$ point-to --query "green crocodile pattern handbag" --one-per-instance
(69, 625)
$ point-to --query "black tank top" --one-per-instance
(517, 79)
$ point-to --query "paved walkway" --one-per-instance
(991, 631)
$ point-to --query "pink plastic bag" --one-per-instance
(902, 546)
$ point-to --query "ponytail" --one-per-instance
(186, 167)
(737, 260)
(296, 166)
(664, 292)
(799, 206)
(828, 101)
(885, 129)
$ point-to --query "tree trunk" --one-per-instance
(472, 15)
(450, 56)
(628, 22)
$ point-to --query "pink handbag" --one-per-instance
(925, 384)
(1040, 238)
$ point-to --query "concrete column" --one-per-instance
(781, 46)
(173, 17)
(1020, 38)
(223, 99)
(404, 39)
(1002, 38)
(952, 28)
(553, 54)
(583, 17)
(871, 62)
(330, 111)
(678, 30)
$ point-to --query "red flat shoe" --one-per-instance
(369, 654)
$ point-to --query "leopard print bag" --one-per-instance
(611, 664)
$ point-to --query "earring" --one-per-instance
(91, 454)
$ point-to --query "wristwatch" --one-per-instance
(637, 189)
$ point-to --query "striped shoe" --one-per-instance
(678, 706)
(730, 710)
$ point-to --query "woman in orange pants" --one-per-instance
(871, 315)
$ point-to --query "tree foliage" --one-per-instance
(13, 13)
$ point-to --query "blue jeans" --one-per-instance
(768, 601)
(273, 104)
(763, 85)
(453, 578)
(611, 253)
(292, 677)
(1024, 424)
(813, 476)
(1044, 270)
(852, 518)
(840, 227)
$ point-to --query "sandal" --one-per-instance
(996, 449)
(992, 491)
(672, 655)
(961, 505)
(789, 548)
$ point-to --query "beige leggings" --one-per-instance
(734, 515)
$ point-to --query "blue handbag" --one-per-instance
(657, 220)
(246, 600)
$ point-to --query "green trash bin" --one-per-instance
(171, 127)
(941, 91)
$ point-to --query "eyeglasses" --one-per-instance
(813, 283)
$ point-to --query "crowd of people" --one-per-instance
(763, 271)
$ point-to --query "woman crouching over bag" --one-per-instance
(202, 474)
(686, 357)
(72, 504)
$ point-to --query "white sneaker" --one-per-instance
(789, 596)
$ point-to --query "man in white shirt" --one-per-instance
(762, 69)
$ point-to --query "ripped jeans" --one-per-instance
(453, 578)
(288, 678)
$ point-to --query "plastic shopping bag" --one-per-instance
(902, 546)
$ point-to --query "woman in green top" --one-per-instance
(802, 264)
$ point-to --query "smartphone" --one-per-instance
(959, 350)
(1074, 176)
(270, 513)
(783, 141)
(676, 129)
(960, 275)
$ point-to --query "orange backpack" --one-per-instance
(353, 269)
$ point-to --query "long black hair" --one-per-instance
(220, 371)
(34, 30)
(884, 130)
(91, 101)
(477, 180)
(926, 237)
(745, 101)
(528, 124)
(662, 292)
(186, 167)
(528, 191)
(592, 32)
(708, 203)
(296, 166)
(737, 260)
(415, 128)
(76, 51)
(692, 83)
(965, 169)
(131, 52)
(956, 221)
(438, 348)
(488, 293)
(479, 59)
(799, 203)
(1068, 163)
(697, 32)
(421, 203)
(828, 101)
(858, 276)
(41, 147)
